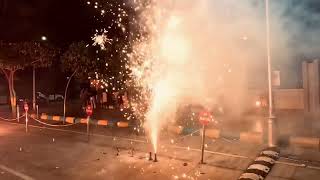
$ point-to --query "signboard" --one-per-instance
(205, 117)
(275, 78)
(89, 110)
(25, 106)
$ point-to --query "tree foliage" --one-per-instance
(19, 55)
(109, 62)
(84, 59)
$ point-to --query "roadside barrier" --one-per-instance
(261, 166)
(52, 125)
(73, 120)
(11, 119)
(250, 137)
(122, 124)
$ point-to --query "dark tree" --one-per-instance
(17, 56)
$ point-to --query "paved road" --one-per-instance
(66, 154)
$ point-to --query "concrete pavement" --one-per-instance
(51, 154)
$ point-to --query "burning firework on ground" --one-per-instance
(171, 57)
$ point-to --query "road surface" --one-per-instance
(44, 153)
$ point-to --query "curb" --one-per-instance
(101, 122)
(306, 142)
(261, 166)
(250, 137)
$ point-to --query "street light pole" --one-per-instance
(34, 88)
(65, 96)
(271, 138)
(43, 38)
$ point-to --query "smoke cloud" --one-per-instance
(209, 52)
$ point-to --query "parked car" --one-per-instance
(56, 97)
(50, 97)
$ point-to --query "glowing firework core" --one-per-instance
(181, 59)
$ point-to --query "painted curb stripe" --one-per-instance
(263, 163)
(122, 124)
(311, 142)
(83, 121)
(270, 153)
(251, 176)
(70, 120)
(112, 123)
(102, 122)
(56, 118)
(261, 166)
(257, 171)
(266, 159)
(45, 117)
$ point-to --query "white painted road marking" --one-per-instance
(16, 173)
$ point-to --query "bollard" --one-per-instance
(88, 128)
(202, 144)
(89, 112)
(204, 117)
(37, 108)
(155, 158)
(150, 156)
(18, 114)
(26, 108)
(26, 121)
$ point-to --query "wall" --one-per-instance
(289, 98)
(3, 99)
(285, 99)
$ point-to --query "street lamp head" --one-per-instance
(43, 38)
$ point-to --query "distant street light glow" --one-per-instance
(43, 38)
(258, 103)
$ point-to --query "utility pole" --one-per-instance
(271, 138)
(34, 88)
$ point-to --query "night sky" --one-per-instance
(62, 21)
(65, 21)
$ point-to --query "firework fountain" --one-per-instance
(185, 52)
(173, 63)
(188, 52)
